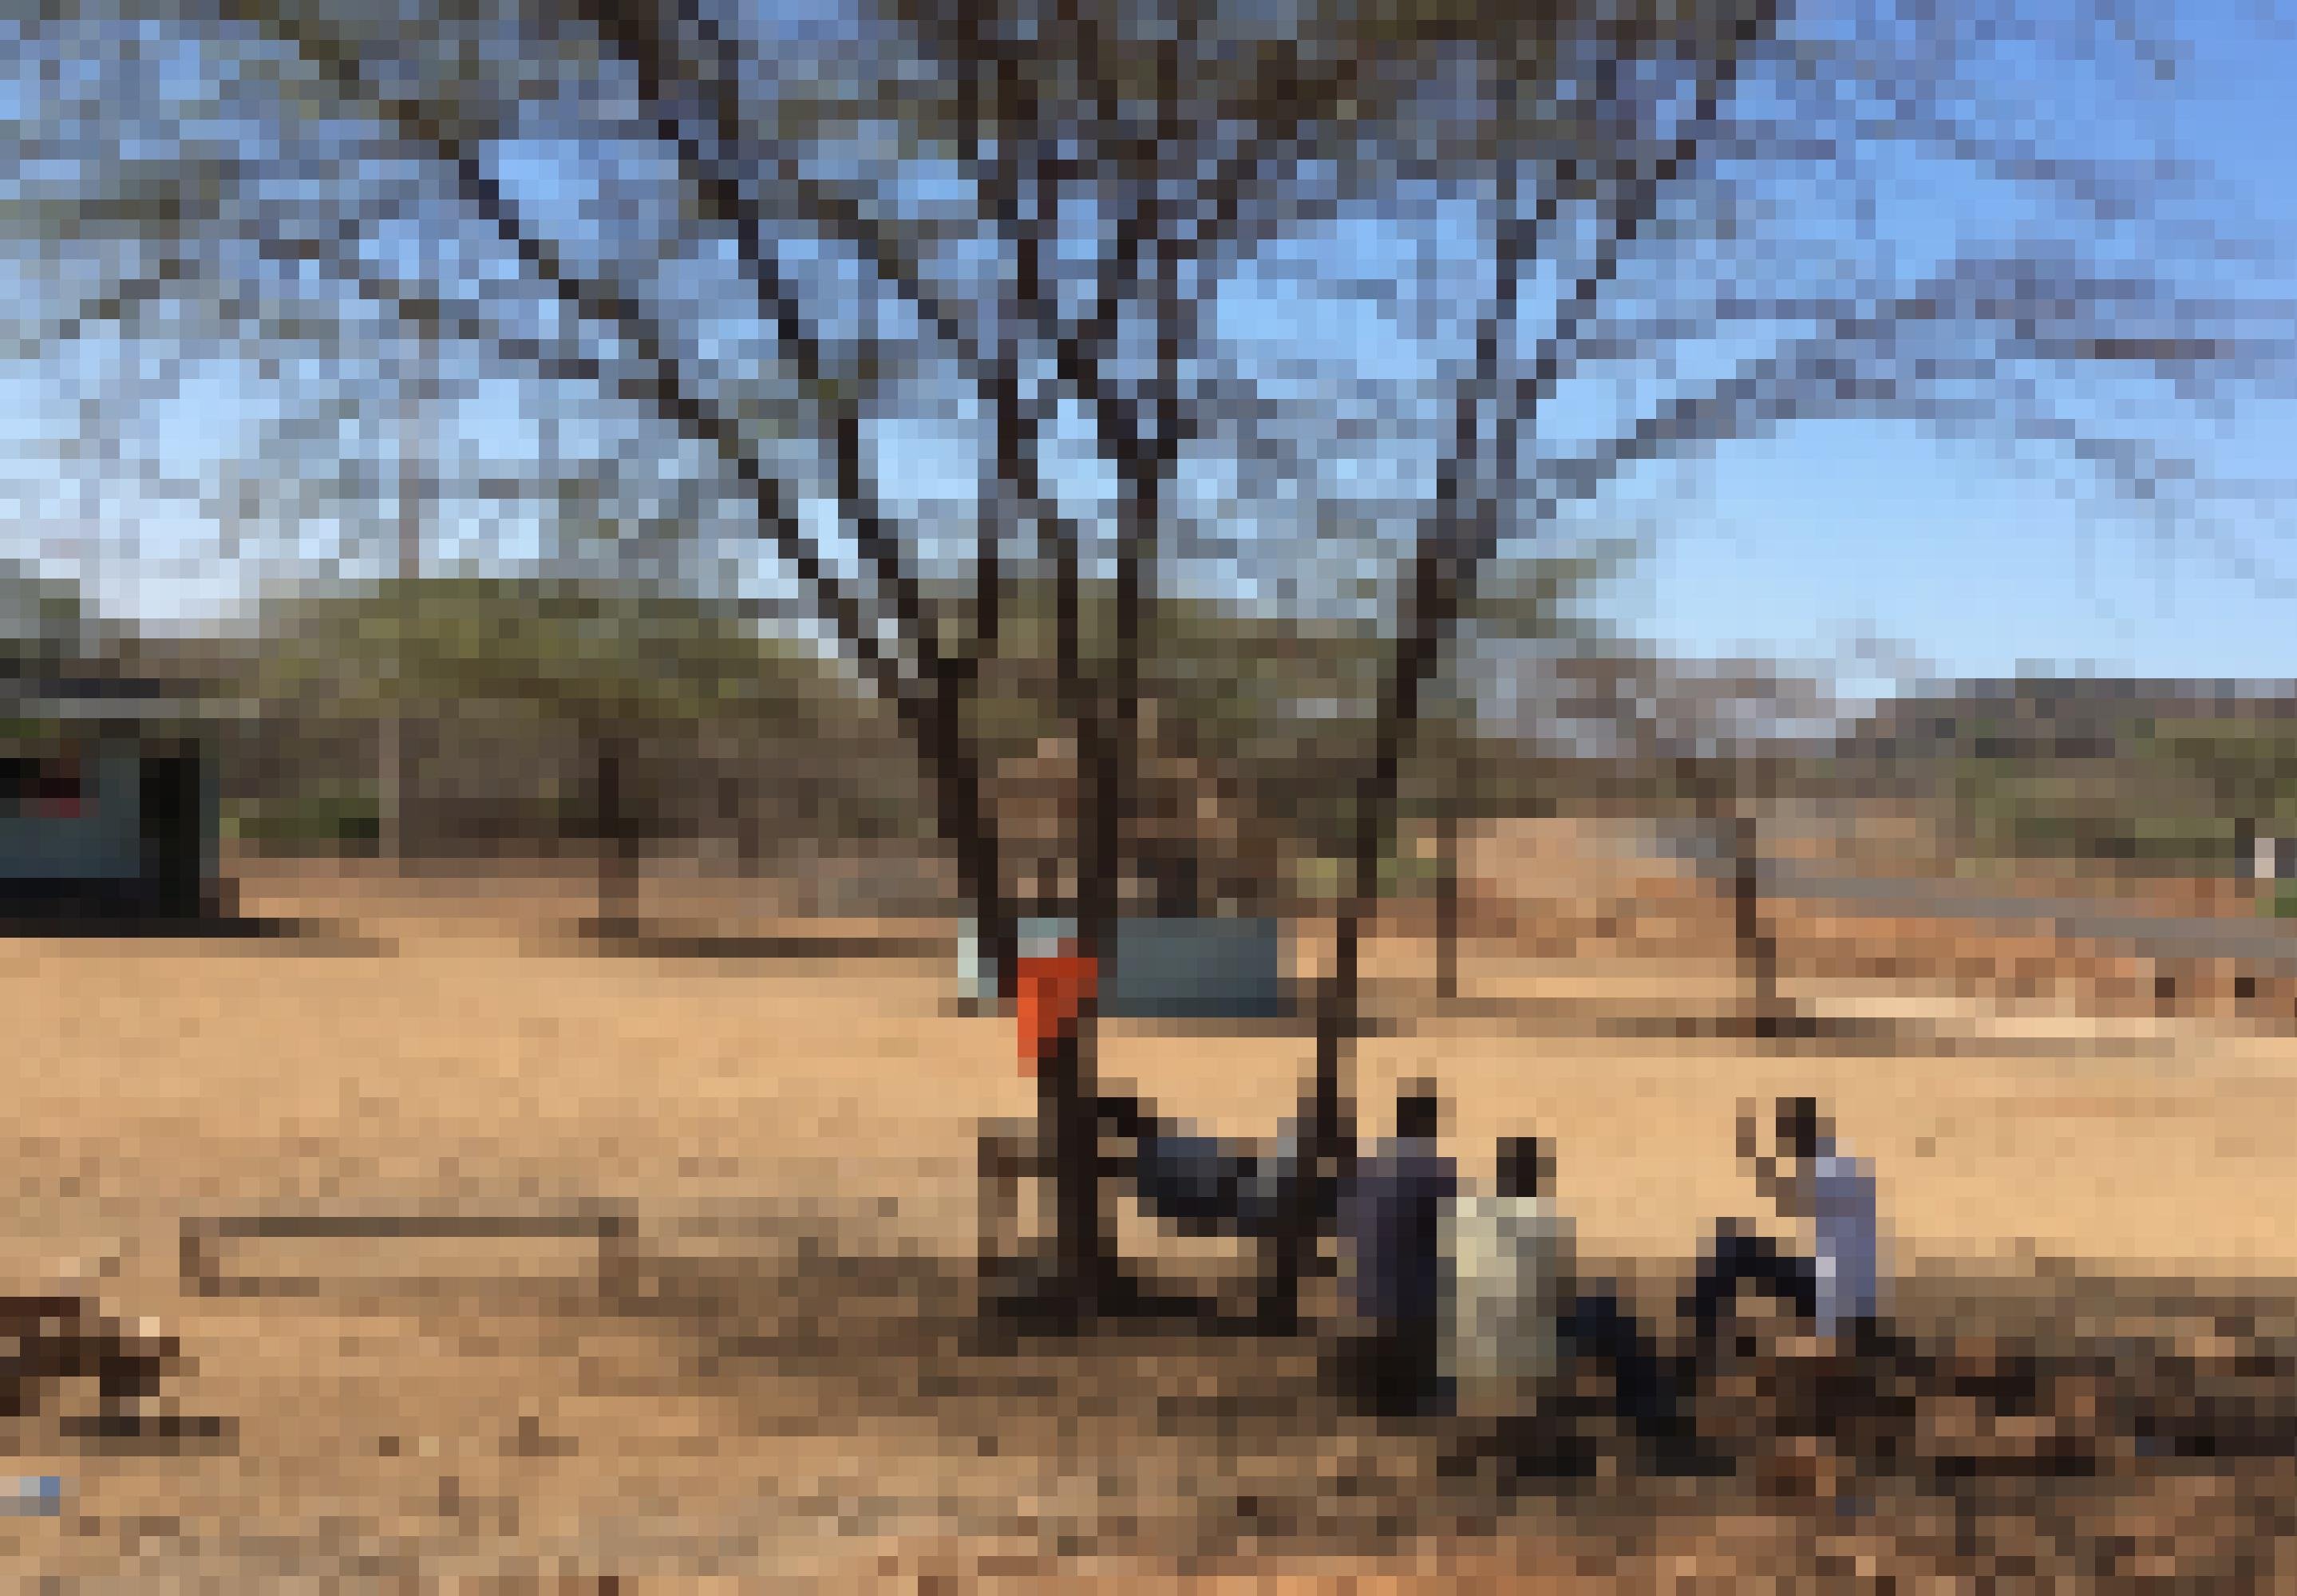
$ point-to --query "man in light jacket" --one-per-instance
(1520, 1321)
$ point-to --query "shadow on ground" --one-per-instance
(303, 935)
(1837, 1035)
(633, 940)
(2058, 1427)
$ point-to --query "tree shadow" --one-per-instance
(2101, 1396)
(73, 924)
(1801, 1031)
(628, 939)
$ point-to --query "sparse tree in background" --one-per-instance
(45, 624)
(544, 689)
(738, 264)
(1723, 741)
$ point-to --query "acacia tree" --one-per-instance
(755, 255)
(1719, 740)
(566, 691)
(44, 626)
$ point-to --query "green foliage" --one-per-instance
(2167, 791)
(549, 651)
(1401, 876)
(2249, 766)
(45, 624)
(21, 730)
(345, 820)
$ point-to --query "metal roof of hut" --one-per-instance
(92, 701)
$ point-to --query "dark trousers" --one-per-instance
(1645, 1396)
(1598, 1328)
(1742, 1257)
(1127, 1118)
(1398, 1371)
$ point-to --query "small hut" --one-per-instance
(1196, 936)
(108, 801)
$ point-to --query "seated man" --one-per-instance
(1509, 1264)
(1518, 1319)
(1813, 1177)
(1392, 1215)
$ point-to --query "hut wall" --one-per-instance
(102, 842)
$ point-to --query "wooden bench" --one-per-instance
(205, 1240)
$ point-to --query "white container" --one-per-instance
(32, 1497)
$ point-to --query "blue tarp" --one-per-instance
(1163, 969)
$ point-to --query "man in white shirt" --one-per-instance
(1813, 1177)
(1518, 1316)
(1508, 1263)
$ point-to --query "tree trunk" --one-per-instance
(618, 842)
(1758, 950)
(1328, 1143)
(390, 786)
(1443, 573)
(1448, 902)
(1141, 436)
(955, 768)
(1082, 1285)
(396, 762)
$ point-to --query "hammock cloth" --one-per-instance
(1203, 1183)
(1199, 1183)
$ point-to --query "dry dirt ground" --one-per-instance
(783, 1386)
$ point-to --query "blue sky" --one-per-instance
(1798, 546)
(1842, 535)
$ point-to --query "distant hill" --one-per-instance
(2071, 718)
(2152, 772)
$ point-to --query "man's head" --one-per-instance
(1522, 1167)
(1419, 1112)
(1800, 1127)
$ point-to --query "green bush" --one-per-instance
(346, 823)
(1406, 876)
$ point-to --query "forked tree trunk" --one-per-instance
(1442, 576)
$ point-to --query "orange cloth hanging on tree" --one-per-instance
(1048, 993)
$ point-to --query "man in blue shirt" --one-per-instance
(1393, 1216)
(1813, 1177)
